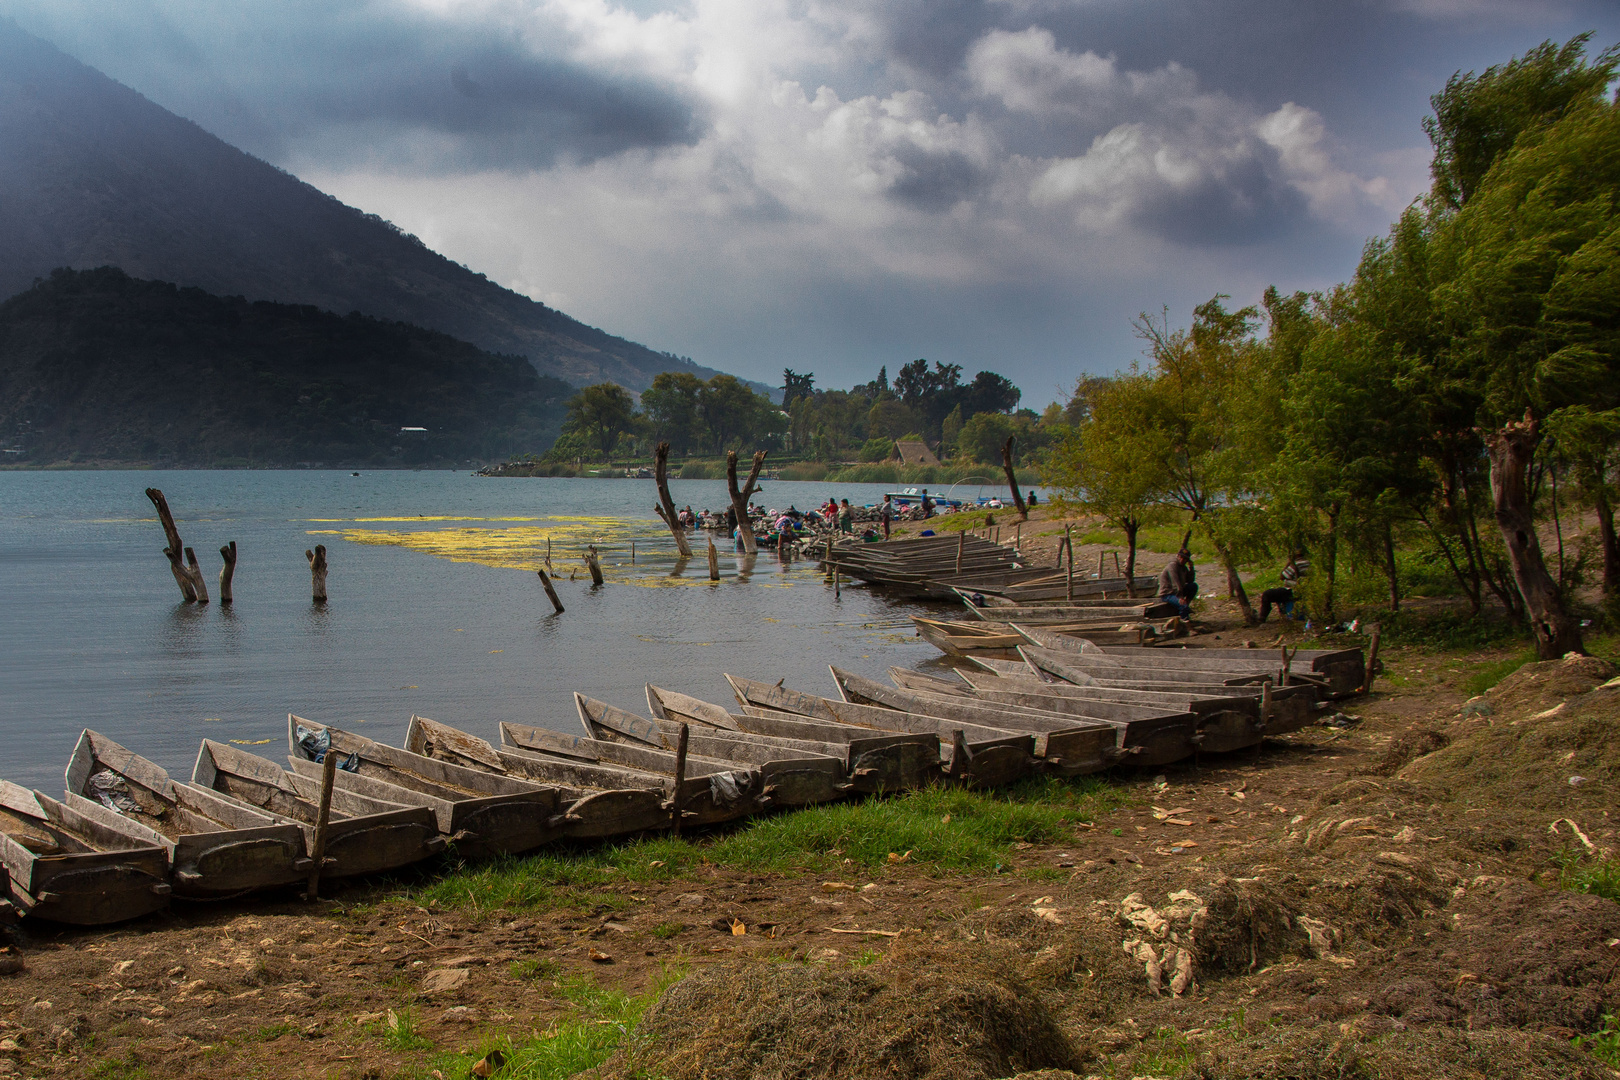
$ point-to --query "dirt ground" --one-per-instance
(1372, 899)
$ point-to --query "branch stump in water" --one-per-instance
(666, 505)
(740, 497)
(594, 566)
(194, 572)
(182, 576)
(227, 572)
(551, 591)
(317, 573)
(714, 561)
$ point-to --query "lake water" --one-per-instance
(435, 608)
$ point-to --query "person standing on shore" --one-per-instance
(927, 505)
(886, 514)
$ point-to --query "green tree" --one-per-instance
(600, 414)
(671, 407)
(982, 437)
(1109, 465)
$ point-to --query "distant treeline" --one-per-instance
(1437, 418)
(99, 367)
(965, 421)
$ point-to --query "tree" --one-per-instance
(890, 419)
(981, 437)
(988, 392)
(735, 416)
(796, 386)
(1479, 118)
(1109, 465)
(599, 414)
(671, 406)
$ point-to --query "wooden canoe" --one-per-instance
(364, 835)
(1073, 742)
(1338, 672)
(789, 776)
(874, 763)
(710, 793)
(217, 846)
(972, 753)
(482, 813)
(78, 865)
(942, 636)
(598, 804)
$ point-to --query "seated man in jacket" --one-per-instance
(1175, 583)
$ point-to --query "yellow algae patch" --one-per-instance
(251, 742)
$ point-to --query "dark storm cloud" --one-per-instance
(382, 84)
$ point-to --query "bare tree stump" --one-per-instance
(551, 591)
(594, 566)
(714, 561)
(740, 497)
(317, 573)
(194, 572)
(227, 572)
(666, 505)
(182, 577)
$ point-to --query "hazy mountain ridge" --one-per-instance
(94, 174)
(96, 366)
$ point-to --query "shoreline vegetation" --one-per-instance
(849, 472)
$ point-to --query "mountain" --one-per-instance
(97, 366)
(94, 174)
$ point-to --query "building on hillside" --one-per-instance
(914, 452)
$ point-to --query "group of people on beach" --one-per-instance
(1178, 585)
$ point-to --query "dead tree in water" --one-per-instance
(666, 505)
(227, 572)
(1012, 479)
(176, 550)
(739, 498)
(317, 572)
(194, 572)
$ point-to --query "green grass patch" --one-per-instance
(399, 1032)
(1488, 675)
(944, 829)
(271, 1032)
(1603, 1044)
(601, 1020)
(535, 967)
(666, 930)
(1596, 877)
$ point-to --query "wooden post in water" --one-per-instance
(317, 573)
(194, 572)
(317, 853)
(227, 572)
(632, 553)
(714, 561)
(680, 774)
(551, 591)
(548, 552)
(837, 586)
(173, 552)
(666, 505)
(961, 542)
(593, 565)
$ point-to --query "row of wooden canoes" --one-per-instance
(126, 836)
(943, 567)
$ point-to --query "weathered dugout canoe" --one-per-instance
(482, 813)
(1131, 734)
(1054, 587)
(1079, 668)
(789, 776)
(710, 793)
(82, 866)
(216, 846)
(1341, 672)
(1098, 612)
(1292, 707)
(973, 753)
(1001, 640)
(874, 763)
(597, 804)
(364, 835)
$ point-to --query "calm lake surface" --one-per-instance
(435, 608)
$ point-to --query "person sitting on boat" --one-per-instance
(1174, 582)
(1283, 595)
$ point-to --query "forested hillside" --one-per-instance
(99, 367)
(94, 174)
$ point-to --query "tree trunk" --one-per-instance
(1131, 527)
(227, 573)
(666, 505)
(1330, 566)
(1390, 568)
(1611, 548)
(740, 497)
(175, 550)
(1511, 449)
(1234, 584)
(1012, 479)
(193, 571)
(317, 573)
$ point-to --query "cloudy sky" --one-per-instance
(831, 185)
